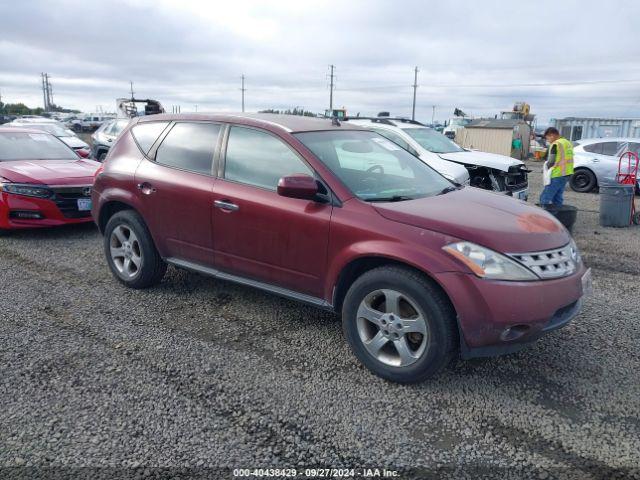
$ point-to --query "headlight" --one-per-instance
(486, 263)
(575, 253)
(27, 190)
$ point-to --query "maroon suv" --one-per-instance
(422, 270)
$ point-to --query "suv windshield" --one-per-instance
(433, 141)
(33, 146)
(374, 168)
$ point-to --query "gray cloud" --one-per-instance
(565, 58)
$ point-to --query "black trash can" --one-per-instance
(616, 205)
(566, 214)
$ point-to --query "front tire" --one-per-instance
(583, 181)
(130, 251)
(399, 324)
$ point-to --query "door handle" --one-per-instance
(146, 188)
(226, 205)
(595, 160)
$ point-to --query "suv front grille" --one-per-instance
(66, 198)
(555, 263)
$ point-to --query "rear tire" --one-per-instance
(399, 324)
(583, 181)
(131, 254)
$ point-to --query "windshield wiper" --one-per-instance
(447, 190)
(393, 198)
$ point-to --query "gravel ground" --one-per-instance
(196, 376)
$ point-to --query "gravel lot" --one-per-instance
(200, 373)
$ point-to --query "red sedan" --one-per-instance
(43, 182)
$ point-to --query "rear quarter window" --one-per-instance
(146, 134)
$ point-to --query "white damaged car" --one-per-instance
(489, 171)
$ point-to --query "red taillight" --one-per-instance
(83, 152)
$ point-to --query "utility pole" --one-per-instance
(331, 87)
(243, 90)
(45, 91)
(132, 92)
(196, 108)
(415, 87)
(433, 114)
(50, 91)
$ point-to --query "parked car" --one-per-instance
(421, 270)
(67, 136)
(88, 123)
(486, 170)
(43, 183)
(596, 161)
(105, 136)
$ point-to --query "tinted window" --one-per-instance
(593, 148)
(609, 148)
(259, 159)
(33, 146)
(189, 146)
(147, 133)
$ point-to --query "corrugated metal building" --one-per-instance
(575, 128)
(497, 135)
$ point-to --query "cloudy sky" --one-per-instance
(566, 58)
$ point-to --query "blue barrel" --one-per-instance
(615, 205)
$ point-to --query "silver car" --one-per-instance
(596, 161)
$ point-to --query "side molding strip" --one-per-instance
(283, 292)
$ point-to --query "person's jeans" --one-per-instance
(553, 193)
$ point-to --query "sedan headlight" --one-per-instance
(27, 190)
(486, 263)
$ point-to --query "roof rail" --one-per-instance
(387, 120)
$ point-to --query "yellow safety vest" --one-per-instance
(564, 163)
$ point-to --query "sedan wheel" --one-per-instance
(392, 328)
(583, 181)
(126, 253)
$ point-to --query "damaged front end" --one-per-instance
(512, 182)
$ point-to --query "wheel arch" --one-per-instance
(109, 209)
(358, 266)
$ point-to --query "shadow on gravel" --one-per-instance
(75, 231)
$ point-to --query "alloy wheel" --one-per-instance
(125, 250)
(392, 328)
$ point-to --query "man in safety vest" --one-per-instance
(560, 163)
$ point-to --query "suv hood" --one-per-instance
(455, 171)
(488, 219)
(484, 159)
(49, 172)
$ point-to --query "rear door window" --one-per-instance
(593, 148)
(260, 159)
(189, 146)
(147, 133)
(610, 148)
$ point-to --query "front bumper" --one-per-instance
(50, 212)
(497, 317)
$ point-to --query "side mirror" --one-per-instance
(298, 185)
